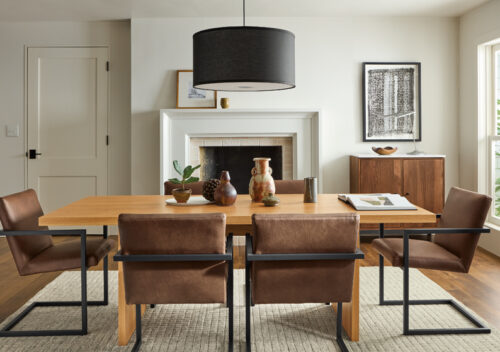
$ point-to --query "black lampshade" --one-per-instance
(244, 59)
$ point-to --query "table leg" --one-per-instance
(350, 311)
(126, 312)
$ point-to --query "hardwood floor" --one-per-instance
(479, 290)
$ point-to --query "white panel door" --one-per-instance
(67, 96)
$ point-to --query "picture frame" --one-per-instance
(189, 97)
(392, 102)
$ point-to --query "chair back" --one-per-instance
(289, 186)
(196, 187)
(303, 281)
(173, 282)
(463, 209)
(20, 212)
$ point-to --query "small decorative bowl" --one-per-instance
(384, 151)
(271, 200)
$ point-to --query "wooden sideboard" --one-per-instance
(418, 178)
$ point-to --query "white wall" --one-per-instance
(14, 36)
(477, 27)
(329, 53)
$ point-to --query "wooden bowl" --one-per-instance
(384, 151)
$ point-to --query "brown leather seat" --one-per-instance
(303, 281)
(449, 252)
(173, 282)
(37, 253)
(66, 256)
(289, 186)
(423, 254)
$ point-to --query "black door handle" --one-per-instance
(32, 154)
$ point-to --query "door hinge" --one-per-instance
(107, 139)
(107, 65)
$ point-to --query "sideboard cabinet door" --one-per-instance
(423, 183)
(380, 176)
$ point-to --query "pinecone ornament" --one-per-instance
(209, 188)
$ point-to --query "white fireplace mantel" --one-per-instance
(178, 126)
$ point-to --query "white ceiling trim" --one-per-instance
(92, 10)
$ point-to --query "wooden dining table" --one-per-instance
(104, 211)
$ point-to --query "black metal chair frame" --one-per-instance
(251, 257)
(6, 331)
(228, 257)
(406, 302)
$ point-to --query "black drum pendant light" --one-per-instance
(244, 58)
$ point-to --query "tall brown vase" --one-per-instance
(225, 193)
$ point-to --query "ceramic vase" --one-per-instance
(225, 193)
(261, 183)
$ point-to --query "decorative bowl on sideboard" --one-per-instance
(384, 151)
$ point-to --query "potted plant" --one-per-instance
(182, 194)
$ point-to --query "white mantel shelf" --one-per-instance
(396, 155)
(259, 113)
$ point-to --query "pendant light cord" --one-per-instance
(243, 13)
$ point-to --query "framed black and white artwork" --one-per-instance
(392, 104)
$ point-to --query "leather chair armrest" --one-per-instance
(377, 232)
(439, 230)
(44, 232)
(119, 257)
(251, 257)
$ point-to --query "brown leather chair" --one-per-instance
(34, 252)
(196, 187)
(452, 249)
(289, 186)
(297, 258)
(178, 258)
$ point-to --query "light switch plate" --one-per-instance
(12, 130)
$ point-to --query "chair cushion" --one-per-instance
(423, 254)
(66, 255)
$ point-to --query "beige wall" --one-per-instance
(329, 53)
(14, 36)
(477, 27)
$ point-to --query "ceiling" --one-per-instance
(84, 10)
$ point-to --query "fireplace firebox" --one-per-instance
(238, 160)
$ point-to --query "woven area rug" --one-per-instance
(304, 327)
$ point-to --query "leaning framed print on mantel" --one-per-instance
(392, 101)
(189, 97)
